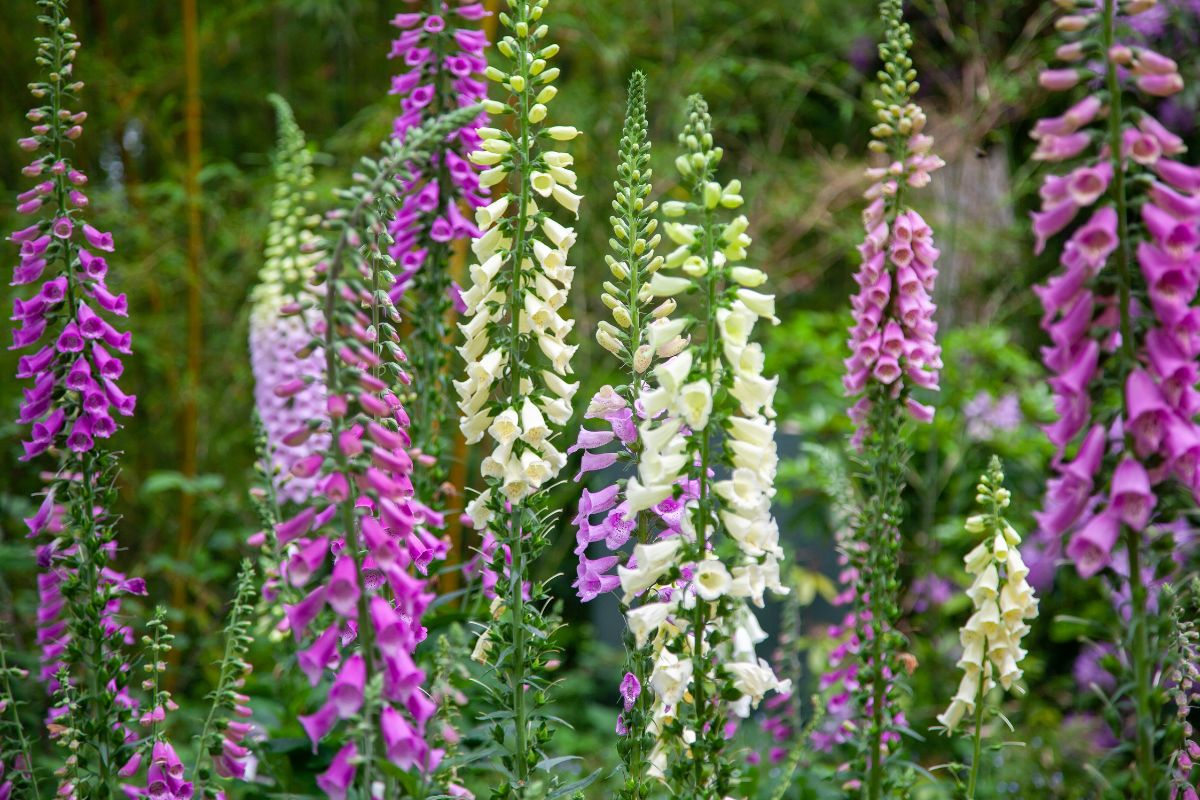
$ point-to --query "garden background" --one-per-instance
(183, 180)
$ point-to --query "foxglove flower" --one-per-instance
(640, 334)
(839, 683)
(439, 51)
(1120, 313)
(287, 390)
(694, 606)
(1003, 601)
(358, 549)
(516, 392)
(73, 358)
(894, 353)
(1184, 683)
(226, 727)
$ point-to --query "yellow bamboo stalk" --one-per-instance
(195, 242)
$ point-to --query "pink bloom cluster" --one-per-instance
(1100, 483)
(893, 340)
(74, 397)
(597, 576)
(279, 354)
(364, 613)
(443, 63)
(73, 402)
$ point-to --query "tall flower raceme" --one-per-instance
(515, 392)
(286, 390)
(709, 407)
(1183, 662)
(17, 779)
(364, 542)
(643, 334)
(1122, 321)
(223, 751)
(1003, 601)
(441, 50)
(74, 363)
(893, 352)
(838, 683)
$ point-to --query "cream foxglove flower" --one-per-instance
(644, 621)
(1002, 598)
(671, 677)
(711, 579)
(695, 403)
(652, 561)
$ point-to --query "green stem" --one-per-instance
(710, 354)
(516, 595)
(882, 536)
(337, 425)
(1140, 656)
(22, 742)
(974, 774)
(1140, 644)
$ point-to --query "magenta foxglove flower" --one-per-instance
(442, 58)
(1113, 461)
(71, 354)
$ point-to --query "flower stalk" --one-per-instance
(1111, 323)
(1003, 600)
(366, 610)
(893, 351)
(71, 409)
(632, 261)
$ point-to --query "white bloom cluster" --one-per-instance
(708, 410)
(1003, 601)
(519, 284)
